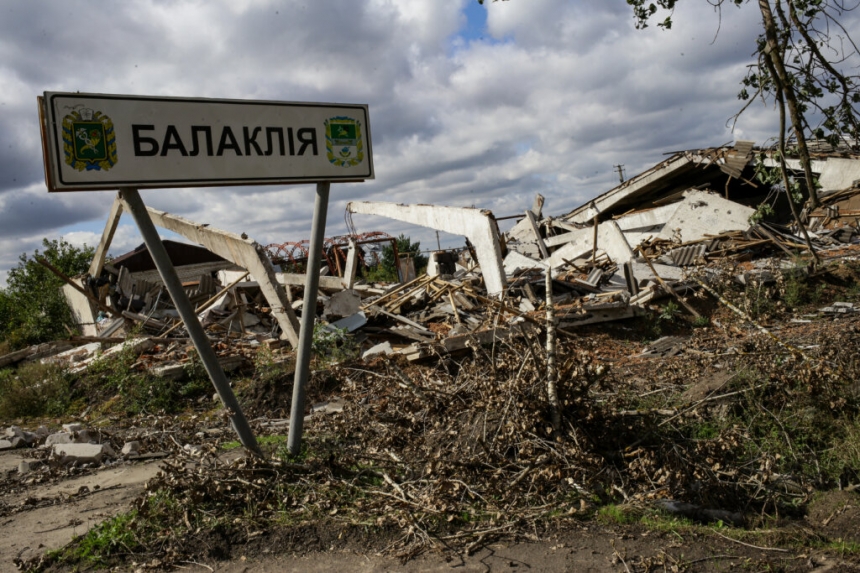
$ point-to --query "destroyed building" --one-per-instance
(608, 258)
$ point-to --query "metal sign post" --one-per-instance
(306, 334)
(189, 317)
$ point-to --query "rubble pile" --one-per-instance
(460, 451)
(433, 419)
(437, 314)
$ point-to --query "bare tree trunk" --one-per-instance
(774, 53)
(551, 371)
(780, 100)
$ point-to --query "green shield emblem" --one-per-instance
(343, 143)
(89, 138)
(89, 141)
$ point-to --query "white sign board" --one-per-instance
(97, 141)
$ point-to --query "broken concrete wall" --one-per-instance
(83, 311)
(610, 240)
(834, 173)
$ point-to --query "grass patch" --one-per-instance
(262, 441)
(141, 392)
(33, 390)
(95, 547)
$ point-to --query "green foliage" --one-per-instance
(387, 270)
(796, 288)
(109, 537)
(332, 345)
(265, 442)
(618, 514)
(266, 367)
(138, 391)
(701, 322)
(762, 211)
(380, 274)
(33, 390)
(843, 459)
(32, 308)
(670, 312)
(657, 321)
(801, 55)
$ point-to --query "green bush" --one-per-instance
(33, 390)
(32, 308)
(332, 345)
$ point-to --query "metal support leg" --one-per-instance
(189, 317)
(306, 334)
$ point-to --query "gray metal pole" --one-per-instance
(306, 334)
(189, 317)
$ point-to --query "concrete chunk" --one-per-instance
(14, 432)
(85, 437)
(131, 448)
(343, 303)
(381, 348)
(59, 438)
(702, 213)
(26, 466)
(82, 453)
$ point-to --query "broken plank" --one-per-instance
(399, 318)
(484, 337)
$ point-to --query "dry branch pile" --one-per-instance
(454, 454)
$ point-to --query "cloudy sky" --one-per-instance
(469, 105)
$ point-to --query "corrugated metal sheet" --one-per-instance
(689, 255)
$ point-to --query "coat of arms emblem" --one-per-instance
(89, 141)
(343, 142)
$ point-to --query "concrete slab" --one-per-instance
(343, 303)
(610, 240)
(702, 213)
(515, 261)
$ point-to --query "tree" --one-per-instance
(799, 54)
(32, 308)
(387, 269)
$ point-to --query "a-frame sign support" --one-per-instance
(189, 317)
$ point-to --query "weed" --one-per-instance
(701, 322)
(706, 431)
(262, 441)
(282, 452)
(666, 522)
(618, 514)
(758, 299)
(103, 540)
(266, 367)
(842, 460)
(844, 548)
(670, 312)
(332, 345)
(138, 391)
(33, 390)
(194, 369)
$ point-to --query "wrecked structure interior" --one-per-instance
(608, 259)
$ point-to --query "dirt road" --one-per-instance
(47, 516)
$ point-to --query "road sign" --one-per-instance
(98, 141)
